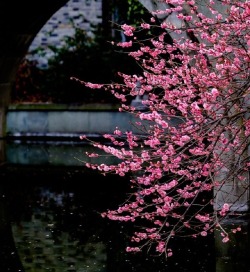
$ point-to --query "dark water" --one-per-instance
(51, 222)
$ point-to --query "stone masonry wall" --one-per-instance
(82, 12)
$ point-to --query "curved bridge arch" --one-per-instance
(20, 21)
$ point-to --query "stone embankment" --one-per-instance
(49, 134)
(58, 121)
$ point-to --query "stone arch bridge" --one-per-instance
(20, 21)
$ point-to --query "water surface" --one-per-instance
(53, 210)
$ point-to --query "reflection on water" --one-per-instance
(55, 217)
(55, 235)
(53, 153)
(54, 211)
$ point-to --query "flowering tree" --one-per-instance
(188, 161)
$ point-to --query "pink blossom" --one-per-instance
(128, 30)
(169, 253)
(203, 218)
(93, 86)
(146, 26)
(192, 135)
(125, 44)
(224, 209)
(133, 249)
(160, 247)
(225, 239)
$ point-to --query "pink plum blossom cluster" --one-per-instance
(193, 134)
